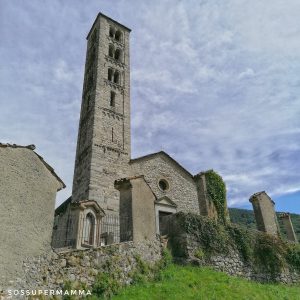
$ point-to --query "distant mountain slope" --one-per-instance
(246, 217)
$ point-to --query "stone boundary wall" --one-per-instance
(51, 271)
(188, 248)
(231, 263)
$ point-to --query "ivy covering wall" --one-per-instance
(262, 252)
(216, 190)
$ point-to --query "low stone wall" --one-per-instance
(192, 248)
(231, 263)
(53, 270)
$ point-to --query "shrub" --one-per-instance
(293, 256)
(211, 234)
(242, 240)
(143, 271)
(269, 252)
(199, 253)
(167, 258)
(105, 286)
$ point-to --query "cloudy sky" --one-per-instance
(217, 83)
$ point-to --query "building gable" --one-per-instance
(165, 157)
(61, 184)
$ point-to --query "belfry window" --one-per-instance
(110, 74)
(117, 77)
(113, 76)
(112, 99)
(118, 36)
(111, 51)
(111, 32)
(118, 55)
(115, 34)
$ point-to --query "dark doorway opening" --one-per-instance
(163, 222)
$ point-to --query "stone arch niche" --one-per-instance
(88, 234)
(89, 225)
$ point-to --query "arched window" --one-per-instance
(118, 53)
(118, 36)
(112, 98)
(117, 77)
(111, 32)
(89, 229)
(111, 51)
(110, 74)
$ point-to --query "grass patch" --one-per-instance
(188, 282)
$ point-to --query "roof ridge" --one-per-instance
(6, 145)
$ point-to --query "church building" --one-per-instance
(105, 175)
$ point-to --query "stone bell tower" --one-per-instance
(103, 145)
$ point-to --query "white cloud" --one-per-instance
(246, 74)
(217, 82)
(62, 72)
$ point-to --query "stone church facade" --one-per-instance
(103, 153)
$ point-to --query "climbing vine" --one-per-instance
(216, 190)
(264, 252)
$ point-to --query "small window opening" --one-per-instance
(111, 32)
(118, 55)
(112, 98)
(111, 51)
(118, 35)
(163, 184)
(116, 77)
(112, 134)
(110, 74)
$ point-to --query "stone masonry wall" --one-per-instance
(53, 270)
(27, 192)
(188, 246)
(232, 263)
(103, 147)
(182, 189)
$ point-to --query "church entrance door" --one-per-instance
(163, 224)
